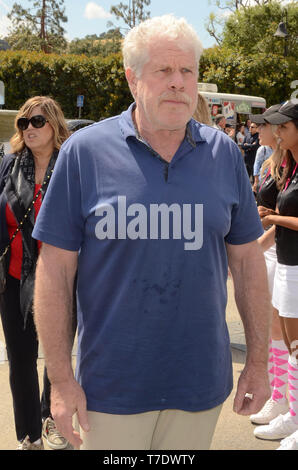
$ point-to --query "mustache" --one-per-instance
(177, 96)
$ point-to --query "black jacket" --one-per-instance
(5, 167)
(250, 146)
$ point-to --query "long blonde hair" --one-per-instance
(275, 161)
(202, 112)
(52, 112)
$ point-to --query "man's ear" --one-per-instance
(132, 81)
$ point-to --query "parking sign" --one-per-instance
(2, 94)
(80, 101)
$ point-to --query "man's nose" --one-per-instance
(176, 80)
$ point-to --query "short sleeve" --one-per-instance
(60, 221)
(246, 224)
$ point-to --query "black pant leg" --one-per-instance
(22, 352)
(46, 396)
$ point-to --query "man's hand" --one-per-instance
(253, 301)
(253, 382)
(68, 398)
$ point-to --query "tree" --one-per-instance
(216, 23)
(251, 30)
(93, 45)
(42, 22)
(249, 59)
(132, 14)
(234, 5)
(263, 74)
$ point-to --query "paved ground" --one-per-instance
(233, 432)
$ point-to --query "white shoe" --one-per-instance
(54, 439)
(290, 442)
(25, 444)
(270, 410)
(278, 428)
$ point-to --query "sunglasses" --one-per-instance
(36, 121)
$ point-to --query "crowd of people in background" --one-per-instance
(268, 143)
(277, 198)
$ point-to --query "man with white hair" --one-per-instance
(149, 207)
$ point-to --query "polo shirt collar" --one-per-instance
(193, 133)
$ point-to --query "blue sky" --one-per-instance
(91, 17)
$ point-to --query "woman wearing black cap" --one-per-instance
(285, 290)
(266, 195)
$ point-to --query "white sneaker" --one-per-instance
(278, 428)
(54, 439)
(25, 444)
(270, 410)
(290, 442)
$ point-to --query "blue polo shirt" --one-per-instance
(152, 266)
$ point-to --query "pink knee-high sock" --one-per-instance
(293, 387)
(280, 382)
(271, 366)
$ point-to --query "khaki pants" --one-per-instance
(158, 430)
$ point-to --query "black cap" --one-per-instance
(287, 112)
(260, 118)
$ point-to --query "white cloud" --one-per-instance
(94, 11)
(5, 24)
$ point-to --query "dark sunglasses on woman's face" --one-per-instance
(36, 121)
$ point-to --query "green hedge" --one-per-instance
(100, 79)
(266, 75)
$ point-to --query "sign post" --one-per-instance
(2, 94)
(80, 104)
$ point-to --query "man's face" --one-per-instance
(222, 123)
(253, 128)
(166, 92)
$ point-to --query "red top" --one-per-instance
(16, 252)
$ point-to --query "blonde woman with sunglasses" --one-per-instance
(24, 177)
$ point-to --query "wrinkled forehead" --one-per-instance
(164, 47)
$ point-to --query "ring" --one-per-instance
(249, 395)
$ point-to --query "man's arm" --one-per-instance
(252, 297)
(53, 310)
(260, 158)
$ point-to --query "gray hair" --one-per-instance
(136, 43)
